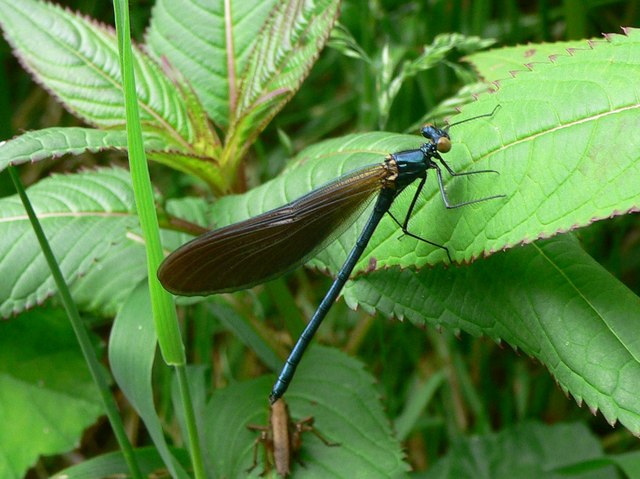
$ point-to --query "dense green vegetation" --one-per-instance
(440, 394)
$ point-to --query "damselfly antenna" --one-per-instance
(497, 107)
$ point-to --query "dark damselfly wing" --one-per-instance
(261, 248)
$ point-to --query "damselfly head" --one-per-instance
(437, 136)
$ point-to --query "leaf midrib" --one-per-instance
(70, 214)
(561, 127)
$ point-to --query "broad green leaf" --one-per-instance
(526, 451)
(90, 221)
(47, 395)
(563, 162)
(331, 387)
(282, 55)
(209, 45)
(550, 300)
(563, 143)
(76, 59)
(253, 67)
(107, 283)
(49, 143)
(83, 216)
(502, 63)
(39, 145)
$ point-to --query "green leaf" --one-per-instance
(528, 450)
(550, 299)
(76, 59)
(563, 162)
(331, 387)
(109, 281)
(54, 142)
(83, 216)
(250, 72)
(209, 45)
(90, 221)
(502, 63)
(48, 397)
(39, 145)
(563, 143)
(283, 53)
(52, 42)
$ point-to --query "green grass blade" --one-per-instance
(166, 321)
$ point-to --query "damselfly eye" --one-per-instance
(444, 144)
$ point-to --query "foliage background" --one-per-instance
(495, 387)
